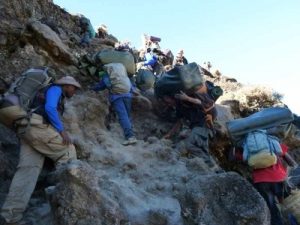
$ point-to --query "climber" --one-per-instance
(207, 66)
(120, 98)
(150, 42)
(198, 109)
(102, 31)
(44, 137)
(150, 60)
(269, 181)
(180, 59)
(87, 31)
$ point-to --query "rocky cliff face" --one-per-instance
(149, 183)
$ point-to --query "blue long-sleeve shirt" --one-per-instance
(53, 96)
(106, 84)
(150, 59)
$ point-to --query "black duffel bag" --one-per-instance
(180, 78)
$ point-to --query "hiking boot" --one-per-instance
(130, 141)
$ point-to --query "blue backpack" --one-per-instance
(260, 149)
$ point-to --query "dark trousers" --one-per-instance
(197, 145)
(271, 191)
(86, 39)
(122, 107)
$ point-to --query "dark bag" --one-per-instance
(155, 39)
(189, 75)
(296, 121)
(145, 79)
(181, 78)
(214, 91)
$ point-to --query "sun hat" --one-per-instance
(103, 27)
(68, 80)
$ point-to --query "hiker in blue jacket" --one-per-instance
(121, 104)
(150, 59)
(45, 137)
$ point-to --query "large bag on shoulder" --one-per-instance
(189, 74)
(85, 22)
(16, 103)
(145, 79)
(260, 150)
(120, 83)
(111, 56)
(180, 78)
(266, 118)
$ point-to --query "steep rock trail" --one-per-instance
(148, 183)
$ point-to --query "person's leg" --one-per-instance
(267, 192)
(197, 146)
(127, 103)
(85, 40)
(48, 142)
(23, 183)
(121, 110)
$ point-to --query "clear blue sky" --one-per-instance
(255, 41)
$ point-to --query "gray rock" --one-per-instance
(223, 199)
(49, 40)
(77, 199)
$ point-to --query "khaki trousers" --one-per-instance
(38, 142)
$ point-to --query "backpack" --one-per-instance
(120, 83)
(17, 101)
(214, 91)
(261, 149)
(145, 79)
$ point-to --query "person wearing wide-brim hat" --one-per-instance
(70, 85)
(102, 31)
(43, 135)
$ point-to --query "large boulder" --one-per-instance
(50, 41)
(223, 199)
(77, 199)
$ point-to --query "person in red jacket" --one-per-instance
(269, 182)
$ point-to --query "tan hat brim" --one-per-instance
(74, 83)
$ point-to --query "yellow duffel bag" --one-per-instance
(291, 204)
(262, 159)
